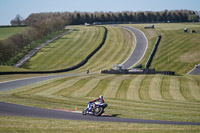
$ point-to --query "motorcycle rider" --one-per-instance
(91, 104)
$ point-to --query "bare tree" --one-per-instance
(18, 20)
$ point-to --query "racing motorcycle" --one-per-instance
(98, 109)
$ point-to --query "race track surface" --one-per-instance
(8, 109)
(140, 47)
(195, 71)
(28, 81)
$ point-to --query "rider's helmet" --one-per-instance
(101, 96)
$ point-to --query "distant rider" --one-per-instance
(87, 71)
(91, 104)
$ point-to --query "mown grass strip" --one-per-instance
(133, 92)
(99, 88)
(144, 88)
(154, 88)
(174, 88)
(111, 91)
(165, 88)
(123, 88)
(88, 87)
(185, 89)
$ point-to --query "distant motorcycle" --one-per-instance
(98, 109)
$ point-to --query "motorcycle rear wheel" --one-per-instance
(98, 111)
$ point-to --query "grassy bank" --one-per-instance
(177, 51)
(117, 48)
(12, 61)
(68, 50)
(155, 97)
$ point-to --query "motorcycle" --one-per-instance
(97, 109)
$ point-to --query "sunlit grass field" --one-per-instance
(72, 48)
(177, 51)
(156, 97)
(67, 51)
(9, 31)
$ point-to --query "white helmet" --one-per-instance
(101, 96)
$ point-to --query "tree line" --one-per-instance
(42, 24)
(74, 18)
(16, 43)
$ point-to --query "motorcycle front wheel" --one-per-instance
(84, 112)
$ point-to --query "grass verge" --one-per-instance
(36, 125)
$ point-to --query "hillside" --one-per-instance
(72, 48)
(177, 51)
(67, 51)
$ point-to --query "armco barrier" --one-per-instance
(144, 71)
(65, 69)
(148, 63)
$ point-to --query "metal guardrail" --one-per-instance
(144, 71)
(148, 63)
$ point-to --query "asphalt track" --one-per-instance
(26, 111)
(4, 86)
(9, 109)
(195, 71)
(140, 47)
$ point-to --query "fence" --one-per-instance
(144, 71)
(148, 63)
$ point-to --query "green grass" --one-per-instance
(10, 68)
(82, 41)
(67, 51)
(7, 32)
(13, 60)
(177, 51)
(117, 48)
(35, 125)
(173, 98)
(156, 97)
(62, 53)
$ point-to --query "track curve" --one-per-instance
(140, 47)
(26, 111)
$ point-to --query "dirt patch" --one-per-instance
(190, 57)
